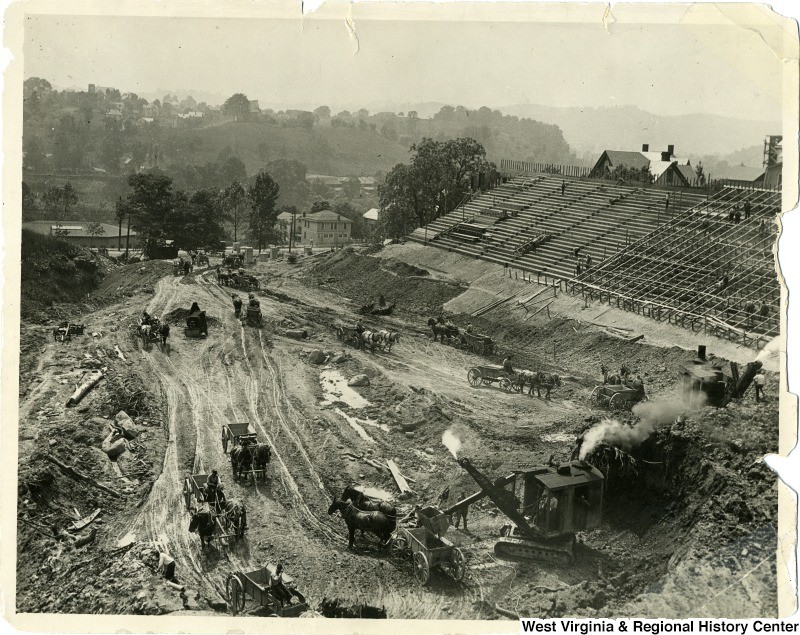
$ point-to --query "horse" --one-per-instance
(613, 380)
(236, 517)
(365, 504)
(374, 522)
(370, 339)
(335, 609)
(442, 330)
(547, 381)
(261, 456)
(388, 339)
(203, 523)
(241, 460)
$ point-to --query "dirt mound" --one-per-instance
(363, 278)
(54, 271)
(127, 280)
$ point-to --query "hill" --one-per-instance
(592, 130)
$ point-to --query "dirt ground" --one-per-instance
(690, 511)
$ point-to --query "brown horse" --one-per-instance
(374, 522)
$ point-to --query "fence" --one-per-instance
(547, 168)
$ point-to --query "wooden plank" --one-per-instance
(402, 485)
(80, 524)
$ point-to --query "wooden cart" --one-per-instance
(489, 374)
(235, 433)
(617, 397)
(194, 498)
(255, 584)
(428, 547)
(480, 344)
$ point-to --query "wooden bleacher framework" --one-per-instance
(647, 255)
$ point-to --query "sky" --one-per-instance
(662, 68)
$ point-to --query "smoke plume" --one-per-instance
(652, 414)
(451, 442)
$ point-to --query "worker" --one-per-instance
(563, 187)
(253, 301)
(469, 328)
(145, 317)
(237, 305)
(759, 380)
(507, 365)
(747, 209)
(195, 308)
(359, 327)
(163, 333)
(638, 385)
(166, 564)
(212, 484)
(381, 301)
(444, 496)
(461, 513)
(186, 267)
(278, 586)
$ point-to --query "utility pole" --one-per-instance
(291, 231)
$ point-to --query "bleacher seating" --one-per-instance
(704, 262)
(682, 251)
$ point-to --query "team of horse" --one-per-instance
(442, 329)
(232, 514)
(153, 332)
(365, 514)
(538, 380)
(250, 459)
(381, 339)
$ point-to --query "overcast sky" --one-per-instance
(725, 70)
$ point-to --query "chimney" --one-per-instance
(645, 147)
(665, 156)
(671, 150)
(701, 351)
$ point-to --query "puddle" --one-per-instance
(335, 388)
(559, 437)
(356, 425)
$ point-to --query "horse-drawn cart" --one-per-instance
(197, 504)
(428, 547)
(256, 585)
(349, 335)
(489, 374)
(236, 434)
(252, 316)
(243, 282)
(480, 344)
(617, 397)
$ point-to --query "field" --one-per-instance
(690, 512)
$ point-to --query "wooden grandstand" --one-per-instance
(702, 270)
(667, 260)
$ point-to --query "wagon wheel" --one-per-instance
(399, 546)
(477, 348)
(595, 396)
(459, 566)
(422, 570)
(235, 594)
(616, 402)
(474, 377)
(505, 384)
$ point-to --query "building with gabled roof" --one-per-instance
(666, 168)
(326, 228)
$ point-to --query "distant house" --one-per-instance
(150, 111)
(114, 114)
(78, 232)
(666, 168)
(372, 216)
(326, 228)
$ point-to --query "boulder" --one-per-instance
(114, 445)
(317, 357)
(297, 334)
(359, 380)
(340, 358)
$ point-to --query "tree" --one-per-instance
(95, 229)
(232, 170)
(238, 106)
(319, 206)
(196, 220)
(322, 112)
(28, 201)
(59, 200)
(434, 182)
(263, 195)
(351, 187)
(290, 175)
(320, 189)
(234, 203)
(150, 208)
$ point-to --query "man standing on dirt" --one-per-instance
(185, 267)
(237, 305)
(507, 365)
(163, 333)
(759, 380)
(461, 514)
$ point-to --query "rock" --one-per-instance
(428, 450)
(359, 380)
(297, 334)
(114, 448)
(316, 357)
(409, 435)
(339, 359)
